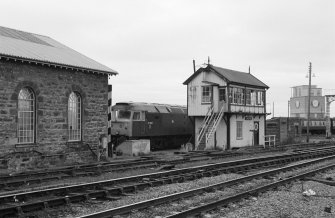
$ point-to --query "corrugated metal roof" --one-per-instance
(150, 107)
(30, 46)
(231, 76)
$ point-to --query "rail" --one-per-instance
(107, 189)
(198, 191)
(246, 194)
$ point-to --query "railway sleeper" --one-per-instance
(72, 197)
(143, 185)
(113, 190)
(10, 211)
(109, 198)
(127, 194)
(154, 183)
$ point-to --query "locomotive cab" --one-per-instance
(123, 121)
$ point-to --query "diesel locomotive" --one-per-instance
(166, 126)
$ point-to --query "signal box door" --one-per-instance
(256, 133)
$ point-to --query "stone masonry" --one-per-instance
(52, 86)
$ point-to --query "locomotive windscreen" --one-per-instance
(123, 114)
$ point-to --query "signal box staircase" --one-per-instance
(208, 127)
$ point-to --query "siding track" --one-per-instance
(114, 189)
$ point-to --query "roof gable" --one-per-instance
(34, 47)
(230, 76)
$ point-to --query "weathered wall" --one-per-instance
(194, 92)
(247, 135)
(52, 87)
(287, 130)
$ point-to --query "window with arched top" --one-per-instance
(74, 117)
(26, 116)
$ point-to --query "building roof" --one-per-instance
(42, 49)
(150, 107)
(231, 76)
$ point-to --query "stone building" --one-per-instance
(53, 101)
(227, 107)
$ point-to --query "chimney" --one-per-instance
(193, 65)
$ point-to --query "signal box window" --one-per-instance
(259, 99)
(206, 96)
(248, 96)
(236, 95)
(222, 94)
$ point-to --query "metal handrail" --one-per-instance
(269, 139)
(216, 122)
(205, 121)
(208, 124)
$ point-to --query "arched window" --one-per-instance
(26, 116)
(74, 117)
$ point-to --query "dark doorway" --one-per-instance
(296, 132)
(256, 133)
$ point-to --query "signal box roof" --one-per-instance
(231, 76)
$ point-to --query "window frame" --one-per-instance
(259, 98)
(30, 99)
(222, 94)
(140, 116)
(237, 95)
(74, 135)
(239, 130)
(248, 97)
(208, 98)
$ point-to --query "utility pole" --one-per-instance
(309, 100)
(288, 108)
(273, 109)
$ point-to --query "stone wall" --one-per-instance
(51, 87)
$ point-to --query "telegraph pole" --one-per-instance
(309, 100)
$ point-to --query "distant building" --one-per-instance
(53, 100)
(227, 107)
(299, 102)
(286, 129)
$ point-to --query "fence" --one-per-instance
(270, 140)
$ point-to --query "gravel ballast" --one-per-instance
(282, 203)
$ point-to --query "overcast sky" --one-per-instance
(152, 43)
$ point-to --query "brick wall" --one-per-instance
(287, 130)
(52, 87)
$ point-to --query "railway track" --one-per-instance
(193, 211)
(22, 202)
(8, 182)
(72, 171)
(246, 194)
